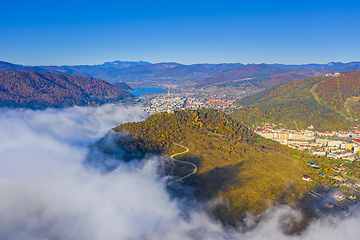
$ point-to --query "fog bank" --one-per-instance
(46, 191)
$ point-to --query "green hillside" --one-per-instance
(327, 103)
(245, 169)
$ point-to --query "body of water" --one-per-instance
(138, 91)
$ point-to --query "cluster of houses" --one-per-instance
(163, 103)
(345, 183)
(194, 103)
(336, 144)
(338, 195)
(219, 104)
(341, 169)
(160, 103)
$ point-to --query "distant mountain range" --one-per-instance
(239, 73)
(338, 66)
(250, 79)
(123, 64)
(200, 75)
(327, 102)
(260, 76)
(30, 89)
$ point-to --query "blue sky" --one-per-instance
(92, 32)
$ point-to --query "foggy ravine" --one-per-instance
(46, 192)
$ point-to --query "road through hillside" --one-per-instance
(312, 90)
(193, 165)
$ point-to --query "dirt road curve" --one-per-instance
(193, 165)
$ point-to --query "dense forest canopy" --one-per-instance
(40, 90)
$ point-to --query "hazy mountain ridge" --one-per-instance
(133, 71)
(194, 71)
(239, 73)
(155, 74)
(5, 66)
(113, 73)
(170, 72)
(261, 76)
(338, 66)
(123, 64)
(39, 90)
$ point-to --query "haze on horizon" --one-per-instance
(86, 32)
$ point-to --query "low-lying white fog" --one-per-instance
(46, 191)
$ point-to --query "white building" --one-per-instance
(334, 143)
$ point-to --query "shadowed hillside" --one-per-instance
(40, 90)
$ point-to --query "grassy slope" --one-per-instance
(318, 101)
(232, 161)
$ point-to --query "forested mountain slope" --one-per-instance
(39, 90)
(233, 162)
(326, 102)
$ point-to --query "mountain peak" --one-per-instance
(123, 64)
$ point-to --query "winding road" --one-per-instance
(189, 163)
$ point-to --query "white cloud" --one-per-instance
(47, 193)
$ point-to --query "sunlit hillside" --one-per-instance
(328, 103)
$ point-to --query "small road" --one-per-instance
(330, 190)
(189, 163)
(321, 197)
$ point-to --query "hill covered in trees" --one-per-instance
(255, 82)
(250, 79)
(123, 86)
(247, 171)
(326, 102)
(39, 90)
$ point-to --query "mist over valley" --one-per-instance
(49, 191)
